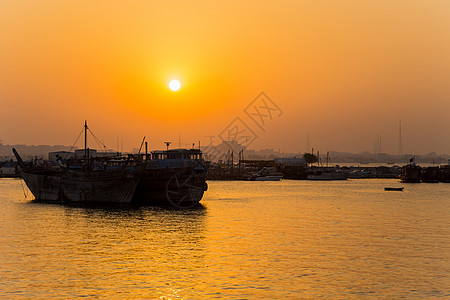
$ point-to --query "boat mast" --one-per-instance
(146, 152)
(85, 140)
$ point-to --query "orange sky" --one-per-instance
(341, 71)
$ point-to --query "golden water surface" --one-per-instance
(249, 240)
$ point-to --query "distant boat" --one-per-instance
(360, 174)
(8, 169)
(327, 175)
(269, 178)
(430, 175)
(266, 174)
(399, 189)
(444, 173)
(411, 173)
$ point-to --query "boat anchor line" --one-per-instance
(23, 189)
(183, 194)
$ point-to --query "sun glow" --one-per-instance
(174, 85)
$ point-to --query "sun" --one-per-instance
(174, 85)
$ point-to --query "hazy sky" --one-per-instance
(341, 72)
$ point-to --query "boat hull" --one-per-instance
(330, 176)
(109, 187)
(410, 174)
(430, 175)
(171, 186)
(393, 189)
(269, 178)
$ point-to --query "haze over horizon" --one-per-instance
(341, 72)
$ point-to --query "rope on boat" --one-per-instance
(96, 139)
(73, 145)
(23, 189)
(99, 142)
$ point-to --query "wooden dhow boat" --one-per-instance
(174, 177)
(83, 180)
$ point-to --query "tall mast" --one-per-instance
(85, 140)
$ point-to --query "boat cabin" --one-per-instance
(178, 154)
(175, 158)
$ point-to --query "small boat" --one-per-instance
(269, 178)
(327, 175)
(399, 189)
(8, 169)
(357, 174)
(266, 174)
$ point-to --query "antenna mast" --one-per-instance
(400, 148)
(85, 139)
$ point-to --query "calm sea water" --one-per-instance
(250, 240)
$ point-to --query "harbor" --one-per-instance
(249, 170)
